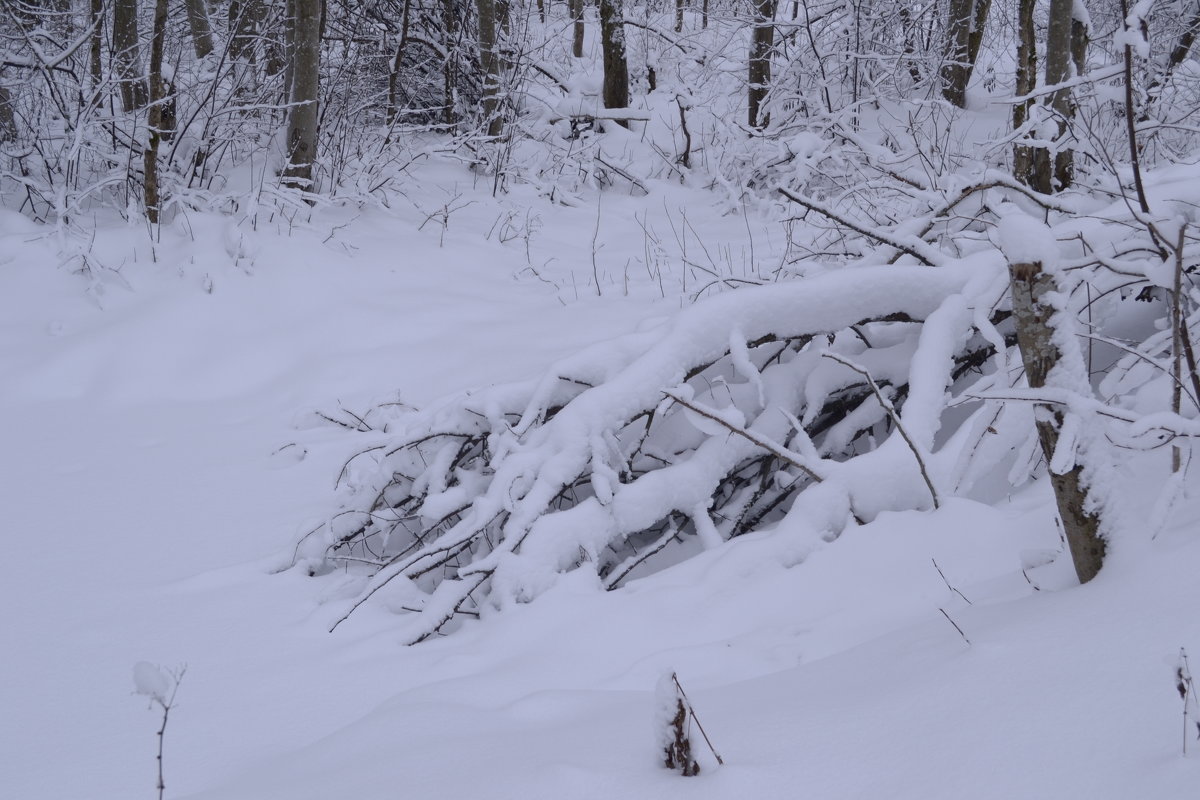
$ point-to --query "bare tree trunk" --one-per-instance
(489, 57)
(197, 14)
(1035, 335)
(394, 75)
(156, 114)
(95, 61)
(577, 7)
(762, 42)
(612, 42)
(1023, 161)
(975, 39)
(679, 16)
(450, 67)
(910, 37)
(1055, 173)
(127, 55)
(8, 118)
(1184, 45)
(956, 71)
(242, 17)
(304, 119)
(272, 33)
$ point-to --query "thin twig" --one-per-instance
(891, 412)
(955, 624)
(948, 586)
(771, 447)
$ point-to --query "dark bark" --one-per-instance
(198, 23)
(489, 57)
(1023, 160)
(956, 72)
(612, 41)
(577, 7)
(95, 61)
(450, 65)
(975, 39)
(1081, 523)
(155, 123)
(1182, 47)
(127, 55)
(394, 75)
(243, 14)
(762, 43)
(8, 118)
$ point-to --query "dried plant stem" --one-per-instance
(955, 624)
(692, 712)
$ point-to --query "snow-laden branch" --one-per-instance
(486, 498)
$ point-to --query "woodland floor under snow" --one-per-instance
(161, 456)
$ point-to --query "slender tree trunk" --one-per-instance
(955, 74)
(1035, 335)
(1182, 47)
(762, 43)
(157, 116)
(127, 55)
(1054, 172)
(95, 60)
(8, 118)
(975, 39)
(272, 32)
(197, 14)
(450, 67)
(679, 16)
(489, 56)
(394, 75)
(910, 37)
(304, 118)
(1023, 160)
(612, 39)
(243, 14)
(577, 7)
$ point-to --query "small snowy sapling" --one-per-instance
(673, 722)
(1187, 693)
(160, 686)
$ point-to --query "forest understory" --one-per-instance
(401, 391)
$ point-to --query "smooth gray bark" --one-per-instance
(303, 121)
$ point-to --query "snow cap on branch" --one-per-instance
(1025, 240)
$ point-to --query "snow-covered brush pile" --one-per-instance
(798, 408)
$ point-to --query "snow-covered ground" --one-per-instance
(161, 455)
